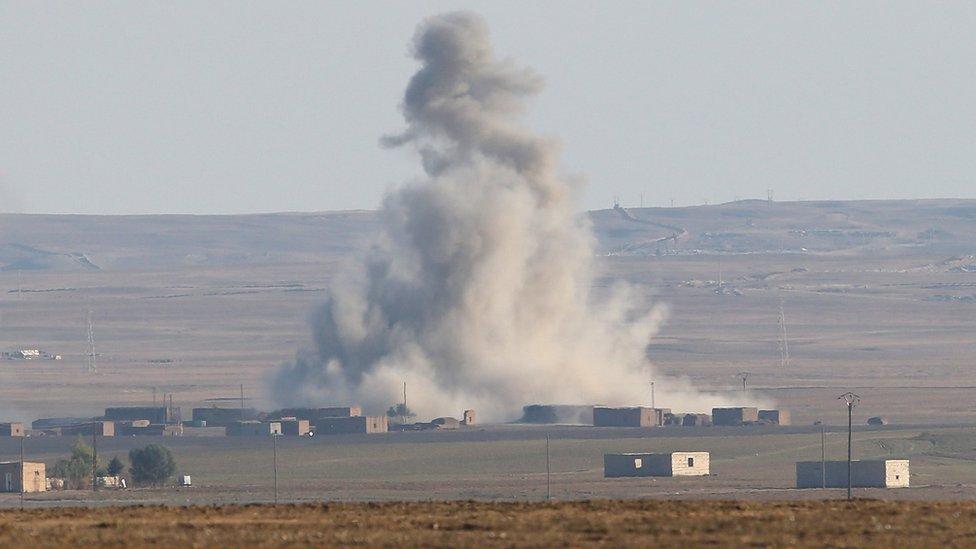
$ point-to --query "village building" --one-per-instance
(253, 428)
(696, 420)
(14, 429)
(295, 427)
(674, 464)
(351, 425)
(28, 476)
(571, 414)
(638, 416)
(876, 473)
(775, 417)
(730, 417)
(101, 428)
(222, 417)
(155, 414)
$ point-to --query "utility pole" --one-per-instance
(274, 445)
(22, 437)
(743, 376)
(94, 455)
(823, 455)
(784, 343)
(548, 472)
(653, 406)
(852, 400)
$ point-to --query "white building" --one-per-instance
(673, 464)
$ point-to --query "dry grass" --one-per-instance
(614, 523)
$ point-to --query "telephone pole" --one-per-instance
(743, 376)
(548, 469)
(852, 400)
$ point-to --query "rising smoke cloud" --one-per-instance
(478, 293)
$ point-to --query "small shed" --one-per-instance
(674, 464)
(29, 475)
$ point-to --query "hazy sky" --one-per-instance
(226, 107)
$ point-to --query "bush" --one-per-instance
(153, 464)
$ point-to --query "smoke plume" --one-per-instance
(479, 293)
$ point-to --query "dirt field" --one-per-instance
(507, 464)
(862, 523)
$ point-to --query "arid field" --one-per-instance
(864, 523)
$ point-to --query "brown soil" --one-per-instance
(865, 523)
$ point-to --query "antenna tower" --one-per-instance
(784, 343)
(91, 345)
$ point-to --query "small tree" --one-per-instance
(400, 412)
(153, 464)
(76, 470)
(115, 467)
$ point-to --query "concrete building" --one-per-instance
(557, 413)
(222, 417)
(468, 418)
(155, 414)
(31, 476)
(638, 416)
(727, 417)
(696, 420)
(878, 473)
(674, 464)
(776, 417)
(253, 428)
(295, 427)
(14, 429)
(351, 425)
(313, 414)
(102, 429)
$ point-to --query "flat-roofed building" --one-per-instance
(294, 427)
(875, 473)
(222, 417)
(728, 417)
(674, 464)
(155, 414)
(101, 428)
(313, 414)
(13, 429)
(776, 417)
(29, 476)
(253, 428)
(637, 416)
(351, 425)
(696, 420)
(573, 414)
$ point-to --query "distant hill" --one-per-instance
(74, 242)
